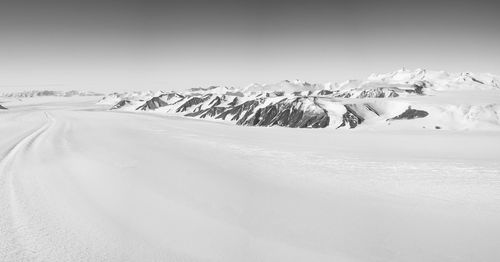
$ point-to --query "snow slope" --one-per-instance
(81, 183)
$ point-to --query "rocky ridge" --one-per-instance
(297, 104)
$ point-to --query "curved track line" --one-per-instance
(25, 143)
(12, 211)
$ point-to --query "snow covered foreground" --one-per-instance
(81, 183)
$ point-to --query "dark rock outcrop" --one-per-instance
(290, 113)
(216, 101)
(410, 114)
(302, 93)
(380, 92)
(383, 92)
(418, 88)
(152, 104)
(303, 111)
(325, 92)
(120, 104)
(351, 118)
(370, 107)
(169, 96)
(210, 112)
(192, 102)
(275, 94)
(377, 93)
(234, 102)
(2, 107)
(238, 111)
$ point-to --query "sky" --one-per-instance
(125, 45)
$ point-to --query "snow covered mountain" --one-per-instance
(286, 86)
(438, 80)
(427, 98)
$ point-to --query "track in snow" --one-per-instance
(13, 209)
(93, 185)
(23, 145)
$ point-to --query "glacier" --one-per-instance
(195, 176)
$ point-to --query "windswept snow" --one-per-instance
(81, 183)
(399, 167)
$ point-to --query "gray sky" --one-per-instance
(132, 45)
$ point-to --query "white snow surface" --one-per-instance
(81, 183)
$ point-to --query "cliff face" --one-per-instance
(298, 112)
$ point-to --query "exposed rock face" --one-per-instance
(240, 112)
(2, 107)
(192, 102)
(325, 92)
(152, 104)
(161, 101)
(376, 93)
(234, 102)
(290, 112)
(384, 91)
(370, 107)
(170, 96)
(351, 118)
(304, 111)
(410, 114)
(120, 104)
(298, 112)
(379, 92)
(216, 101)
(210, 112)
(418, 88)
(276, 94)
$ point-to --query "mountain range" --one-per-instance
(381, 100)
(427, 98)
(36, 93)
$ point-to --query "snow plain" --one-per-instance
(81, 183)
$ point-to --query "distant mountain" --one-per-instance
(35, 93)
(381, 100)
(285, 86)
(438, 80)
